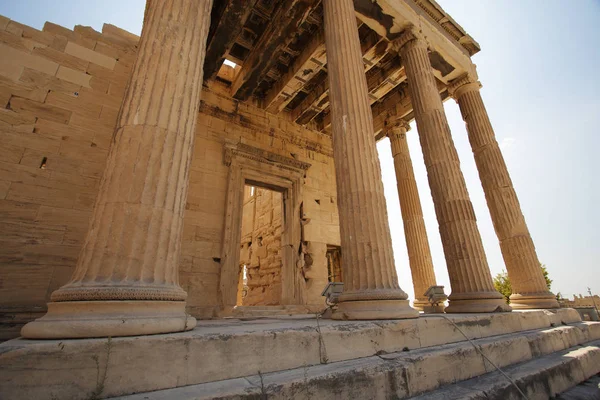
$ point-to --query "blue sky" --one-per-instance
(539, 69)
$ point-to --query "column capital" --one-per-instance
(408, 35)
(395, 127)
(463, 84)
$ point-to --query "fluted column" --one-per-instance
(126, 280)
(526, 276)
(417, 244)
(371, 289)
(470, 277)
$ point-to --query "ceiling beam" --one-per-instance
(228, 29)
(316, 101)
(373, 49)
(389, 18)
(305, 67)
(380, 82)
(277, 36)
(397, 104)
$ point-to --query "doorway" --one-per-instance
(282, 176)
(334, 263)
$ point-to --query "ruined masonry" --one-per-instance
(194, 190)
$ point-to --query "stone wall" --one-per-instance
(581, 301)
(261, 247)
(60, 92)
(224, 120)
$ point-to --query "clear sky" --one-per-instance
(539, 68)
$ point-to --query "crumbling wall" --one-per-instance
(334, 264)
(263, 258)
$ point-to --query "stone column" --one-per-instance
(526, 277)
(371, 289)
(417, 244)
(126, 280)
(470, 278)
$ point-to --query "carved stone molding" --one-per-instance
(409, 34)
(263, 156)
(396, 126)
(83, 293)
(462, 85)
(255, 166)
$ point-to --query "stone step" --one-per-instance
(588, 390)
(546, 354)
(270, 311)
(226, 349)
(257, 308)
(542, 378)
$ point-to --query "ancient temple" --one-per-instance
(158, 192)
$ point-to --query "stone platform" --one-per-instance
(250, 312)
(303, 349)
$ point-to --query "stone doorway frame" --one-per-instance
(261, 168)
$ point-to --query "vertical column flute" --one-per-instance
(470, 277)
(371, 289)
(126, 279)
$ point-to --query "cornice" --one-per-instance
(437, 14)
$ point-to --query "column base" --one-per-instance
(533, 301)
(419, 305)
(477, 306)
(374, 309)
(94, 319)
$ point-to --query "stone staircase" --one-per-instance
(588, 390)
(541, 363)
(544, 352)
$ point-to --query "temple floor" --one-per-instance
(305, 357)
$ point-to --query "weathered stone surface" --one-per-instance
(403, 375)
(228, 349)
(470, 278)
(526, 277)
(418, 371)
(417, 244)
(371, 289)
(261, 235)
(132, 248)
(541, 378)
(586, 390)
(51, 120)
(54, 147)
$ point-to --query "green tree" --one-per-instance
(502, 282)
(546, 277)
